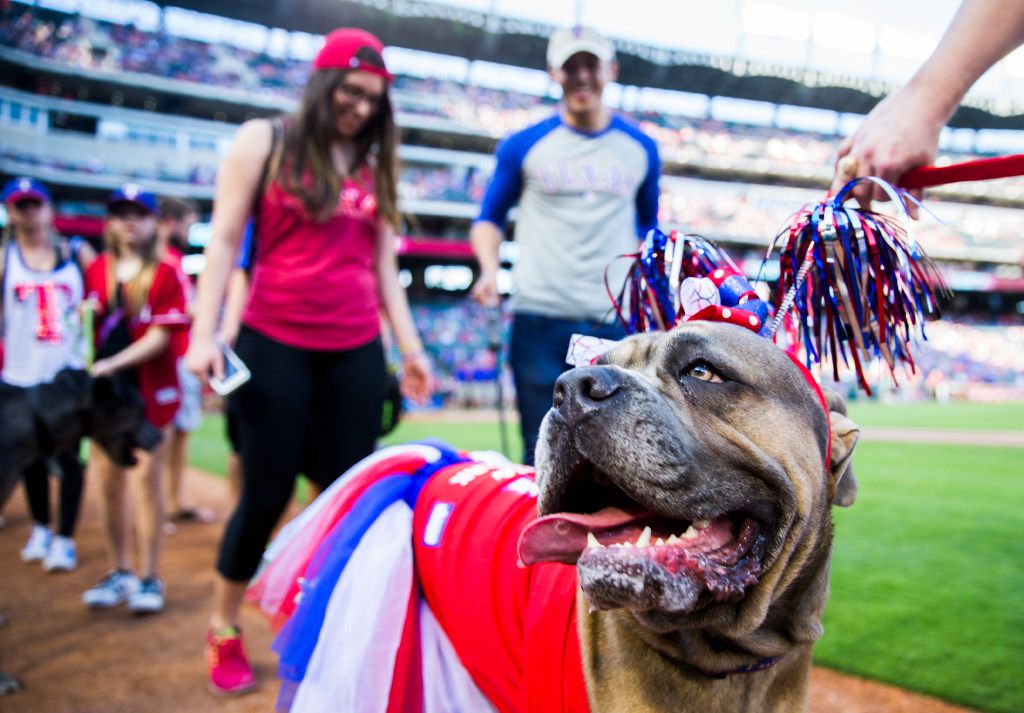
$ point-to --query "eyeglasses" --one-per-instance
(26, 204)
(356, 95)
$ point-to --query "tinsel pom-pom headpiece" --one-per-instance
(854, 284)
(676, 278)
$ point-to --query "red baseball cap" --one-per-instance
(340, 51)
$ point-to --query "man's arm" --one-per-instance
(487, 232)
(649, 193)
(902, 131)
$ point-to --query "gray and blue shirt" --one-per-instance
(584, 199)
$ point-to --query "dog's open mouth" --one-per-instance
(630, 557)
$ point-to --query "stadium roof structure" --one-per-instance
(434, 27)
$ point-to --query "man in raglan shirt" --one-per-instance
(586, 183)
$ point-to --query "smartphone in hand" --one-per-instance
(235, 372)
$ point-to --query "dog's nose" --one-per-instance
(585, 389)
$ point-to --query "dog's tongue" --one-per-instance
(562, 537)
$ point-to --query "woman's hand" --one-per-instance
(417, 378)
(204, 359)
(103, 367)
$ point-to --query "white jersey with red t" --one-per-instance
(42, 331)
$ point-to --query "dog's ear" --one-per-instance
(842, 484)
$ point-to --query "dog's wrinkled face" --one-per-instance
(682, 474)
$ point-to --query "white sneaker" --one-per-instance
(61, 557)
(112, 590)
(38, 544)
(148, 598)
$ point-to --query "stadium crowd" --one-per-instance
(90, 44)
(744, 213)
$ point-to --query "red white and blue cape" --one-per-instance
(400, 589)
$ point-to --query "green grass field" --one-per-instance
(928, 569)
(957, 415)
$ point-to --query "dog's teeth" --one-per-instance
(645, 538)
(690, 533)
(592, 541)
(673, 539)
(627, 544)
(659, 542)
(701, 524)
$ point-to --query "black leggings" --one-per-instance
(311, 412)
(37, 490)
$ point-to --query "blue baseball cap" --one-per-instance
(23, 187)
(136, 195)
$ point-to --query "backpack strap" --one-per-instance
(276, 134)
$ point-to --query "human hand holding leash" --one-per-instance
(897, 136)
(902, 132)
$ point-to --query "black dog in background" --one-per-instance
(42, 420)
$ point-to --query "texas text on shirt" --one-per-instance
(568, 181)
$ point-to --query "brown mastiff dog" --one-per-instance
(689, 476)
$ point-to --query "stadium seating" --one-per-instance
(965, 359)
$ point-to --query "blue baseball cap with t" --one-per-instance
(24, 188)
(135, 194)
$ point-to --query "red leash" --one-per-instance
(984, 169)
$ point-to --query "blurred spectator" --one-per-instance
(175, 217)
(140, 303)
(40, 332)
(586, 184)
(321, 186)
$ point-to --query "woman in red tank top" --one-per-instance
(324, 202)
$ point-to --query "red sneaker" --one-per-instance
(230, 673)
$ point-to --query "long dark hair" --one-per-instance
(305, 168)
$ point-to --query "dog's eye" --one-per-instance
(702, 371)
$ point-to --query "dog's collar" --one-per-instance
(749, 668)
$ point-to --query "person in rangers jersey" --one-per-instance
(140, 304)
(41, 334)
(586, 183)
